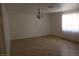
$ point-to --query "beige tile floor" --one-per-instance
(44, 46)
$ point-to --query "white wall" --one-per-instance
(6, 29)
(25, 24)
(56, 19)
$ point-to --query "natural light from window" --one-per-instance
(70, 22)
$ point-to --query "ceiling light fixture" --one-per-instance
(50, 6)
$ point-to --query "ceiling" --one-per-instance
(45, 7)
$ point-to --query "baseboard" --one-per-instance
(33, 37)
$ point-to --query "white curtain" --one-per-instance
(70, 22)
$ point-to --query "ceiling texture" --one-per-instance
(44, 7)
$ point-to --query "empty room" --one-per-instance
(40, 29)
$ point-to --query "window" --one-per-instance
(70, 22)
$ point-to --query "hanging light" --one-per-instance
(38, 14)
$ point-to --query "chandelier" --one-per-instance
(39, 15)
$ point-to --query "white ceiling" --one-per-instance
(45, 7)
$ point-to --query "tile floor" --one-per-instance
(44, 46)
